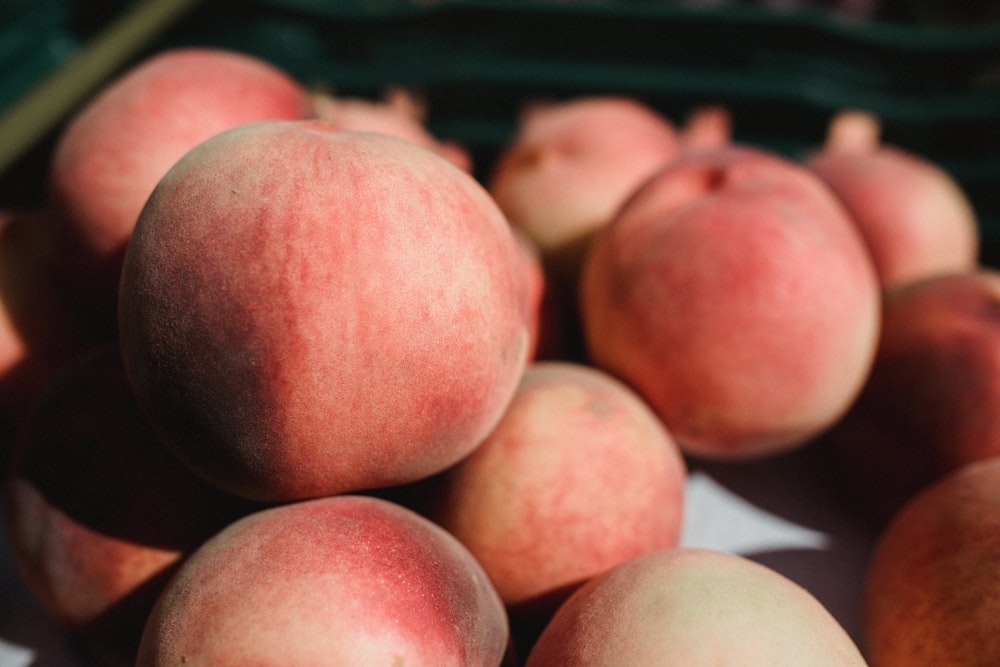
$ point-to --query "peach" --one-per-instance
(113, 151)
(929, 404)
(930, 597)
(306, 311)
(693, 607)
(570, 165)
(97, 513)
(733, 293)
(341, 580)
(578, 476)
(399, 114)
(914, 216)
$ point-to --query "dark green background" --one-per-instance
(935, 83)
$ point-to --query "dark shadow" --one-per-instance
(812, 568)
(529, 618)
(803, 486)
(25, 624)
(89, 480)
(112, 639)
(90, 454)
(41, 321)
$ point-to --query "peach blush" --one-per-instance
(307, 311)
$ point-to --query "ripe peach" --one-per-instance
(571, 164)
(98, 514)
(734, 295)
(578, 476)
(344, 580)
(930, 597)
(114, 150)
(915, 218)
(688, 606)
(306, 311)
(399, 114)
(929, 404)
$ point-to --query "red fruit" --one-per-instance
(343, 580)
(571, 164)
(929, 404)
(693, 607)
(578, 476)
(112, 153)
(306, 311)
(915, 218)
(930, 597)
(733, 293)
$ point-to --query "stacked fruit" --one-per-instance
(286, 384)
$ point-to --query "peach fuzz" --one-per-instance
(693, 607)
(97, 513)
(930, 597)
(578, 476)
(306, 311)
(113, 151)
(733, 293)
(914, 216)
(345, 580)
(571, 163)
(930, 403)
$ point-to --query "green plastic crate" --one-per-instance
(781, 73)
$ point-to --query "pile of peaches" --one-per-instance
(283, 382)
